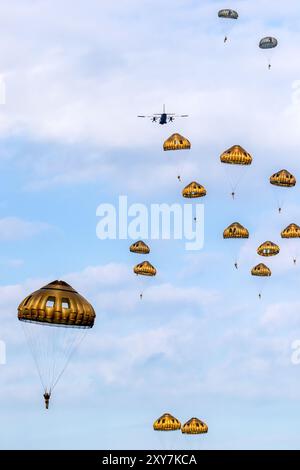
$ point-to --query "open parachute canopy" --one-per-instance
(145, 269)
(194, 426)
(291, 231)
(57, 304)
(194, 190)
(268, 249)
(55, 320)
(176, 142)
(261, 270)
(283, 178)
(139, 247)
(236, 230)
(268, 43)
(166, 422)
(236, 155)
(228, 14)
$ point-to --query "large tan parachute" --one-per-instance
(194, 426)
(291, 231)
(139, 247)
(261, 270)
(236, 155)
(268, 249)
(194, 190)
(235, 230)
(177, 142)
(145, 269)
(166, 422)
(55, 319)
(283, 178)
(58, 304)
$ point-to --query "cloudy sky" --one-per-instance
(200, 343)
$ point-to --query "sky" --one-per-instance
(200, 343)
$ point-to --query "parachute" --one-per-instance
(268, 249)
(235, 231)
(139, 247)
(238, 158)
(177, 142)
(261, 272)
(227, 14)
(194, 426)
(194, 190)
(282, 179)
(268, 44)
(55, 320)
(166, 422)
(145, 269)
(292, 232)
(166, 425)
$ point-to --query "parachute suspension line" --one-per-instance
(52, 348)
(57, 347)
(72, 348)
(240, 178)
(30, 344)
(234, 182)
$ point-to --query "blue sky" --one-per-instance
(200, 343)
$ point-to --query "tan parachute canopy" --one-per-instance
(194, 190)
(139, 247)
(261, 270)
(57, 303)
(55, 319)
(236, 230)
(166, 422)
(291, 231)
(283, 178)
(177, 142)
(236, 155)
(145, 269)
(268, 249)
(194, 426)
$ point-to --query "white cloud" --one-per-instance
(14, 228)
(282, 315)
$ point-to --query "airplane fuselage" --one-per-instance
(163, 118)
